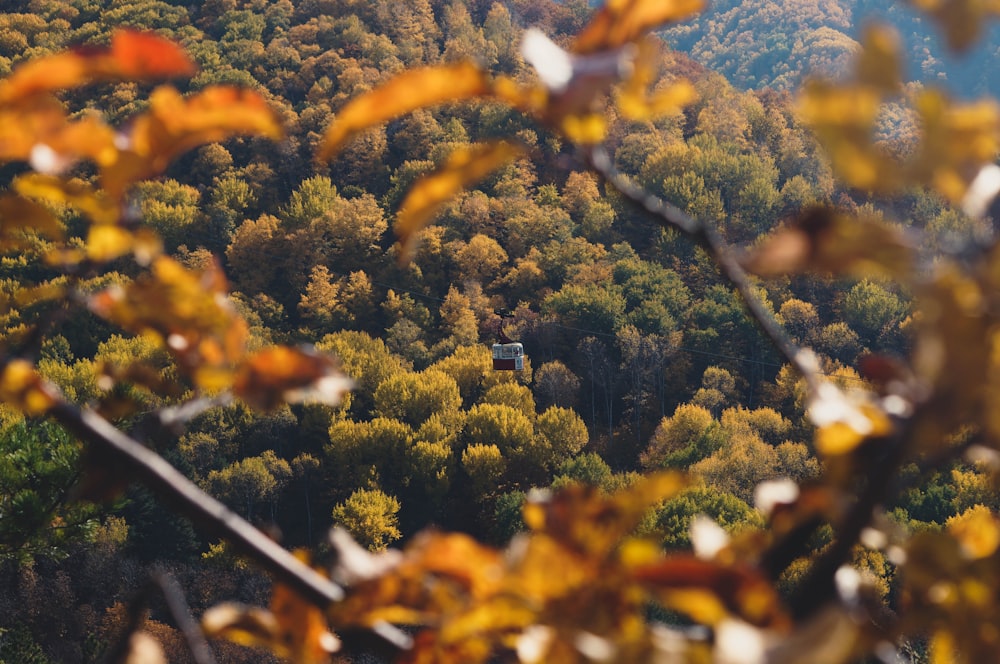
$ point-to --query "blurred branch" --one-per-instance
(703, 235)
(147, 467)
(179, 611)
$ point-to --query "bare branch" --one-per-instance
(147, 467)
(670, 216)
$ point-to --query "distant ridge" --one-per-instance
(770, 43)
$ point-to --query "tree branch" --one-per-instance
(149, 468)
(670, 216)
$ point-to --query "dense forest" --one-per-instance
(640, 355)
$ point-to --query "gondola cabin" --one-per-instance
(508, 357)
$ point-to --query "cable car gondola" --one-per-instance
(508, 355)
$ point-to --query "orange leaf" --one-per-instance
(403, 94)
(147, 55)
(187, 313)
(280, 374)
(303, 626)
(132, 55)
(19, 216)
(620, 22)
(464, 167)
(41, 134)
(174, 124)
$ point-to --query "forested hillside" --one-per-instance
(640, 354)
(761, 43)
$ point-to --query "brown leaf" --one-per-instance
(464, 167)
(291, 627)
(824, 240)
(619, 22)
(413, 89)
(713, 590)
(281, 374)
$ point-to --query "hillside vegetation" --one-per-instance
(640, 354)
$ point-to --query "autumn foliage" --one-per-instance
(837, 561)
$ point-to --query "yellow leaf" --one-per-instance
(634, 100)
(977, 531)
(106, 243)
(244, 625)
(880, 63)
(957, 140)
(709, 591)
(184, 311)
(291, 627)
(464, 167)
(620, 22)
(413, 89)
(962, 20)
(23, 388)
(301, 627)
(942, 648)
(836, 439)
(74, 193)
(700, 605)
(585, 129)
(19, 216)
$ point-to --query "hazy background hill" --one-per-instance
(766, 43)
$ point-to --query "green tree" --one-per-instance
(370, 515)
(562, 432)
(673, 520)
(486, 467)
(414, 397)
(588, 468)
(873, 310)
(38, 466)
(687, 436)
(172, 209)
(244, 483)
